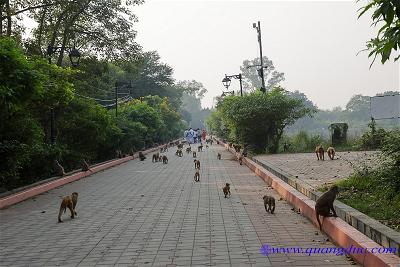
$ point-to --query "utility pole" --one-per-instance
(116, 100)
(261, 70)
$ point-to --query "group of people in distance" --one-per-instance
(193, 136)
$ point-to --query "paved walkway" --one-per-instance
(316, 172)
(150, 214)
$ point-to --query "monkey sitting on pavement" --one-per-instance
(197, 175)
(219, 156)
(227, 190)
(241, 160)
(325, 204)
(331, 152)
(164, 159)
(196, 164)
(319, 151)
(194, 154)
(269, 204)
(70, 203)
(141, 156)
(85, 166)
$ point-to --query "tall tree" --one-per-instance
(252, 79)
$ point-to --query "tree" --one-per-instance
(387, 13)
(252, 79)
(259, 119)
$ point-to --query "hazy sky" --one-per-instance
(313, 43)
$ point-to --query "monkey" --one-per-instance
(188, 149)
(164, 159)
(324, 204)
(141, 156)
(160, 158)
(286, 147)
(197, 175)
(331, 152)
(166, 148)
(179, 153)
(85, 166)
(155, 157)
(70, 203)
(217, 142)
(319, 151)
(196, 164)
(219, 156)
(241, 160)
(227, 190)
(58, 168)
(180, 146)
(194, 154)
(269, 204)
(200, 148)
(237, 148)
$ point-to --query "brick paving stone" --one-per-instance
(151, 214)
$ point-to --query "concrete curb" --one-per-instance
(39, 189)
(338, 230)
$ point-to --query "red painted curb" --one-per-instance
(338, 230)
(23, 195)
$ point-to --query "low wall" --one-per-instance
(337, 229)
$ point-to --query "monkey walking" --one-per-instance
(194, 154)
(179, 153)
(269, 204)
(319, 151)
(141, 156)
(325, 204)
(200, 148)
(219, 156)
(70, 203)
(197, 175)
(58, 168)
(188, 149)
(331, 152)
(227, 190)
(164, 159)
(196, 164)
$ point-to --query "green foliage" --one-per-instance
(387, 14)
(374, 138)
(258, 119)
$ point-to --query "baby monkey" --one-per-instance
(227, 190)
(219, 156)
(194, 154)
(196, 164)
(164, 159)
(70, 203)
(325, 204)
(269, 204)
(197, 175)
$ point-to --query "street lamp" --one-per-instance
(74, 57)
(260, 71)
(227, 81)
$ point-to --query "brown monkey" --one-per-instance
(331, 152)
(197, 175)
(179, 153)
(227, 190)
(85, 166)
(241, 160)
(141, 156)
(219, 156)
(188, 149)
(164, 159)
(70, 203)
(155, 157)
(196, 164)
(269, 204)
(319, 151)
(58, 168)
(325, 204)
(194, 154)
(200, 148)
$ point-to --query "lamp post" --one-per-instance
(74, 57)
(227, 81)
(261, 70)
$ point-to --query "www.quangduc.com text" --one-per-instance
(338, 251)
